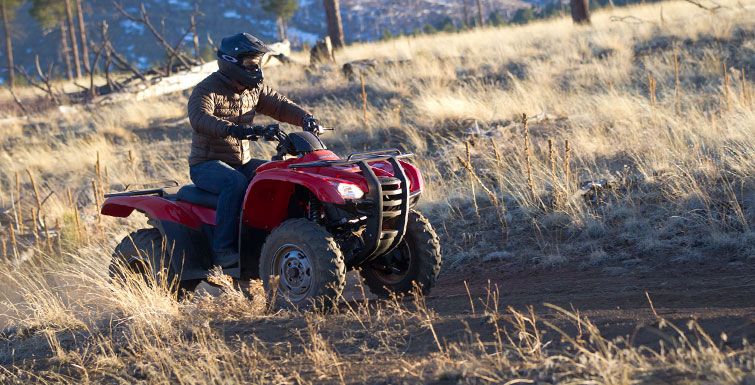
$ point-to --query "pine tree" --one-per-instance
(7, 11)
(83, 35)
(51, 14)
(74, 40)
(495, 19)
(523, 16)
(283, 11)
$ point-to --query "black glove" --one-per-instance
(243, 132)
(270, 132)
(310, 124)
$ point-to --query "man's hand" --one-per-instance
(270, 132)
(310, 124)
(242, 132)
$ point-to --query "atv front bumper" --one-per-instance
(385, 207)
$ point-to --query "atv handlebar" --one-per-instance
(273, 132)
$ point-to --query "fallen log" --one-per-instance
(160, 85)
(156, 85)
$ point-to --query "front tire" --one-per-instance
(415, 261)
(308, 263)
(141, 253)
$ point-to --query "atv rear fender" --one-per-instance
(154, 207)
(181, 224)
(266, 204)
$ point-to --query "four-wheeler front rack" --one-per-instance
(369, 156)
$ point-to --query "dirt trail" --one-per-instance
(721, 299)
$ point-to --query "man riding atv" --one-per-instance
(221, 111)
(306, 217)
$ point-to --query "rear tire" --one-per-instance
(308, 263)
(139, 252)
(416, 260)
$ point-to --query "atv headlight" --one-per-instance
(349, 191)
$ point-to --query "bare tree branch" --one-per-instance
(628, 19)
(144, 19)
(97, 54)
(119, 60)
(709, 9)
(43, 80)
(18, 101)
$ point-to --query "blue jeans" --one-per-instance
(230, 183)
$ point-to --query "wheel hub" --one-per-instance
(394, 266)
(295, 272)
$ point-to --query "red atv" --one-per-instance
(306, 219)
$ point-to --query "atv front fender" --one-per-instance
(266, 204)
(153, 207)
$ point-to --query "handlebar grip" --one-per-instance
(258, 130)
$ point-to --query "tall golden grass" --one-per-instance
(678, 146)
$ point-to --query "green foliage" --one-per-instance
(284, 9)
(11, 6)
(496, 19)
(48, 13)
(446, 25)
(208, 53)
(549, 10)
(595, 5)
(523, 16)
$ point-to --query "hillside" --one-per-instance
(364, 20)
(593, 189)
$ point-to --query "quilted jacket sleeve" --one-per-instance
(279, 107)
(201, 108)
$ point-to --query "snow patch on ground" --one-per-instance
(185, 5)
(232, 14)
(302, 36)
(130, 26)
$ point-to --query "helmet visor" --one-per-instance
(251, 62)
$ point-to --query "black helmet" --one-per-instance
(234, 48)
(239, 58)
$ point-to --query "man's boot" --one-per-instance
(226, 259)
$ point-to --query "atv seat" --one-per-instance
(197, 196)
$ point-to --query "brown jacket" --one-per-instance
(217, 103)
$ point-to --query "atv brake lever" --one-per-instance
(322, 130)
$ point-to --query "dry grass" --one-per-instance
(648, 102)
(229, 339)
(678, 156)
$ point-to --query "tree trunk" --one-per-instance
(335, 24)
(465, 13)
(65, 50)
(580, 11)
(281, 28)
(83, 36)
(8, 46)
(108, 56)
(74, 43)
(195, 39)
(481, 19)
